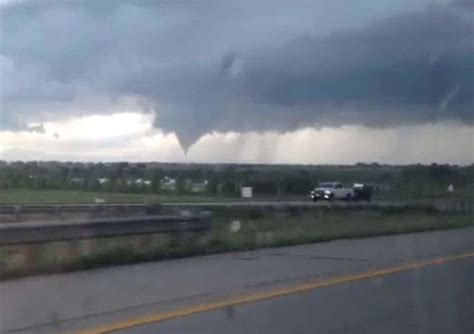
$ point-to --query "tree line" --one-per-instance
(412, 180)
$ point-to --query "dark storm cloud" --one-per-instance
(415, 67)
(242, 66)
(464, 4)
(411, 60)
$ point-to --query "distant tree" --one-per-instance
(211, 187)
(229, 188)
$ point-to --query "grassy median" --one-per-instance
(314, 227)
(234, 230)
(274, 229)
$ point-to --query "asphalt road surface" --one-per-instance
(438, 299)
(333, 287)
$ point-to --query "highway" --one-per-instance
(438, 299)
(407, 283)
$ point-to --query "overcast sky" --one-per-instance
(238, 81)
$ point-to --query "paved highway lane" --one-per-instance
(435, 299)
(83, 300)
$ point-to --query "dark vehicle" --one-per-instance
(362, 191)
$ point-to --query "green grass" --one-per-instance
(270, 231)
(31, 196)
(28, 196)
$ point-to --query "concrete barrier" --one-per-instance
(20, 212)
(51, 208)
(31, 248)
(24, 233)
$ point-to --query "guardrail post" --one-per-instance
(57, 211)
(17, 212)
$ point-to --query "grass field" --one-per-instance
(29, 196)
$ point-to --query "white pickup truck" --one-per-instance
(335, 190)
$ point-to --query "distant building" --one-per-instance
(196, 186)
(76, 180)
(138, 182)
(168, 183)
(103, 180)
(142, 182)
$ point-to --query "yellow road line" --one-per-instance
(186, 311)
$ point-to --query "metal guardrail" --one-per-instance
(23, 233)
(448, 206)
(51, 208)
